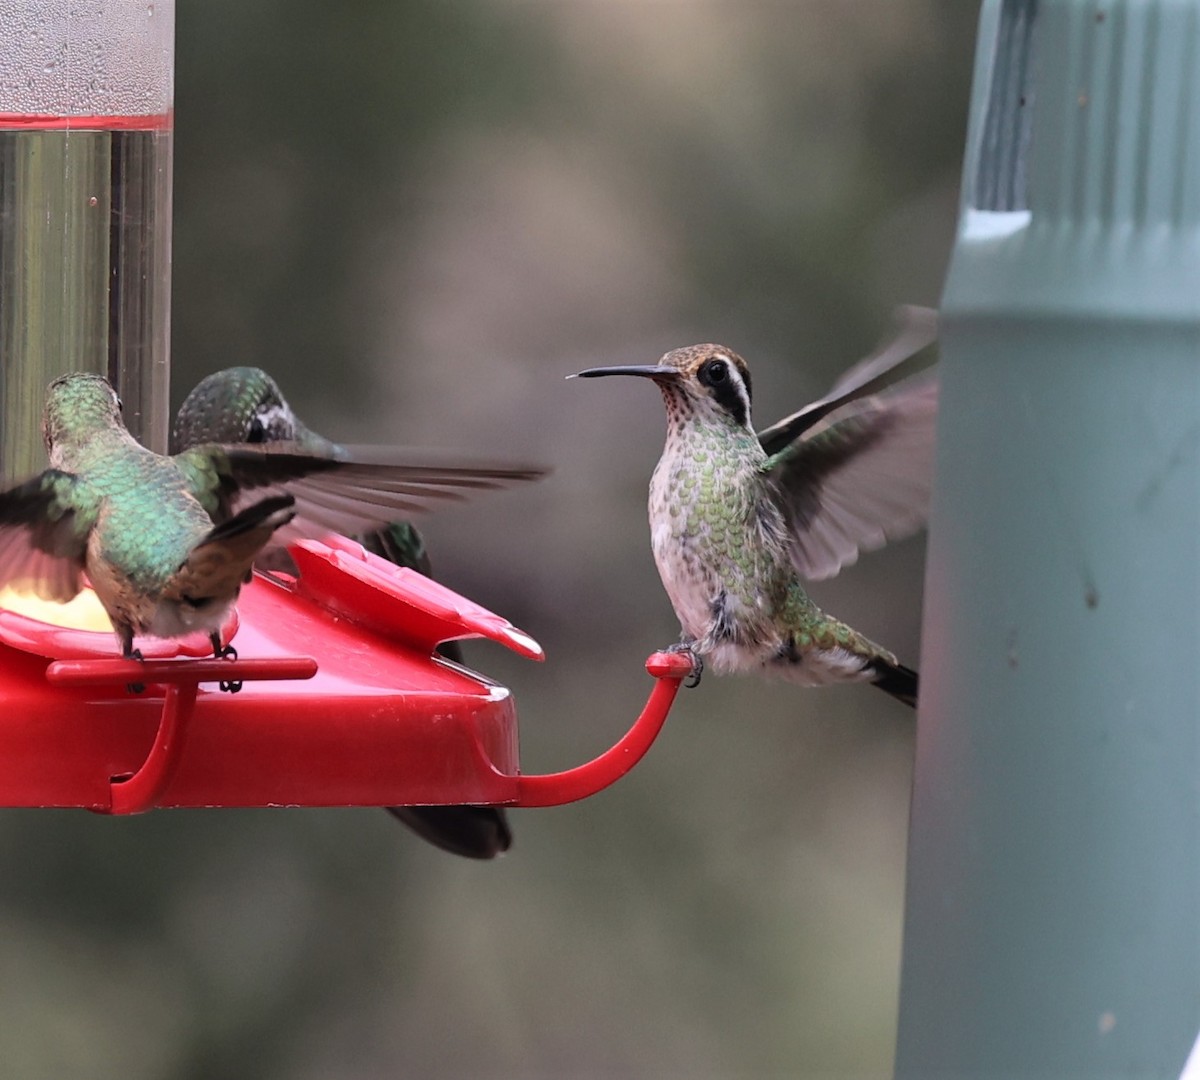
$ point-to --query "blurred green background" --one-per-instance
(420, 217)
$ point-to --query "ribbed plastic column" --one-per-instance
(1053, 914)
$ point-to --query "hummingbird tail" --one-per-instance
(218, 565)
(897, 680)
(269, 513)
(475, 832)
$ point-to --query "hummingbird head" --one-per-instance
(240, 405)
(78, 406)
(699, 383)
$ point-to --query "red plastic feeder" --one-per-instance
(344, 704)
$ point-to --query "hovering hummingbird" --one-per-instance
(738, 520)
(167, 542)
(245, 405)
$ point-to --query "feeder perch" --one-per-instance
(344, 704)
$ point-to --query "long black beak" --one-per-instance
(648, 371)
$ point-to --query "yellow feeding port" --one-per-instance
(84, 612)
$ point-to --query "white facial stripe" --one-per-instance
(277, 421)
(735, 374)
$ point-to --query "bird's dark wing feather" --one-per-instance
(859, 479)
(369, 488)
(476, 832)
(401, 544)
(43, 539)
(914, 328)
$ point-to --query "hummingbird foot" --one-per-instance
(222, 652)
(135, 687)
(697, 661)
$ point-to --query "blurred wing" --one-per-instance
(362, 492)
(914, 328)
(861, 478)
(42, 540)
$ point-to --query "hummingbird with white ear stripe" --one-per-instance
(245, 405)
(167, 542)
(738, 521)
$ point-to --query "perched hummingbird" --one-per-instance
(737, 520)
(167, 542)
(245, 405)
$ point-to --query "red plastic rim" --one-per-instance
(53, 122)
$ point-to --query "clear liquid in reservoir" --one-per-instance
(85, 254)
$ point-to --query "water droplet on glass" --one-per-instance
(150, 11)
(93, 201)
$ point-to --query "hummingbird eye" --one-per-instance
(729, 388)
(257, 432)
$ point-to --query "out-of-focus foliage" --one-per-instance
(420, 216)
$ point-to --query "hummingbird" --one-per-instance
(245, 405)
(739, 520)
(167, 542)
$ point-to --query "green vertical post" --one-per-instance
(1053, 899)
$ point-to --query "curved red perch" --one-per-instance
(571, 785)
(141, 791)
(384, 722)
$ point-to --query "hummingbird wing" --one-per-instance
(364, 491)
(861, 477)
(43, 537)
(913, 329)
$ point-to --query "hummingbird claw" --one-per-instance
(135, 687)
(222, 652)
(686, 647)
